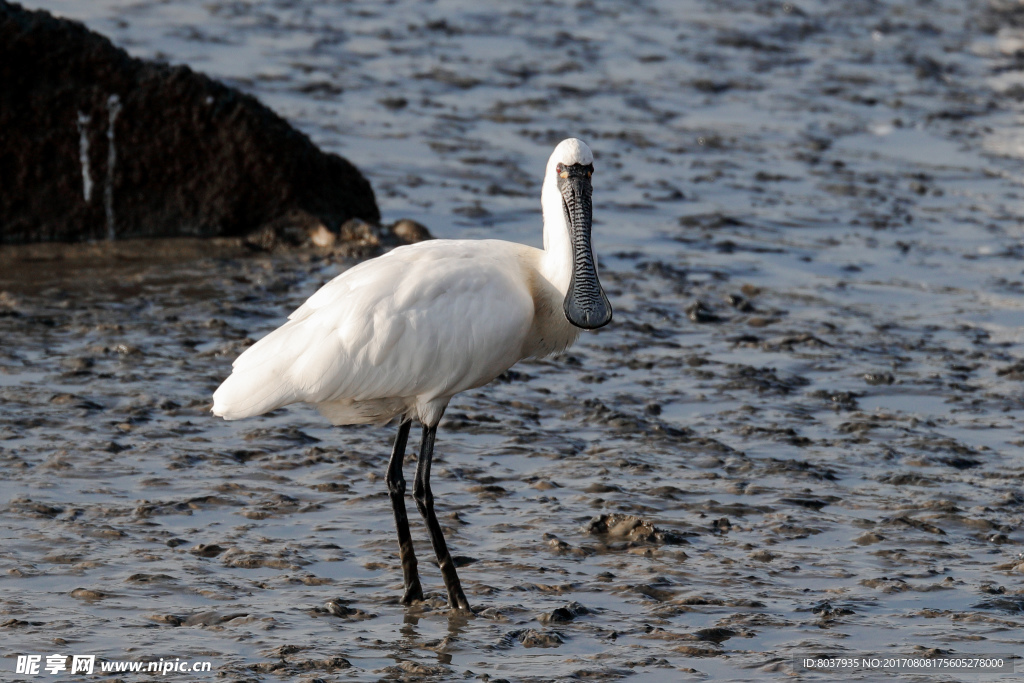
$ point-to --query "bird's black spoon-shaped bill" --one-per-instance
(586, 305)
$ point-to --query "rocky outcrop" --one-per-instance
(95, 144)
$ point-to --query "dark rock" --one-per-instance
(699, 313)
(359, 231)
(715, 634)
(533, 638)
(211, 618)
(94, 144)
(905, 479)
(564, 614)
(997, 14)
(763, 380)
(204, 550)
(839, 400)
(739, 303)
(869, 538)
(88, 594)
(809, 503)
(409, 231)
(825, 610)
(1013, 604)
(1014, 372)
(632, 529)
(338, 607)
(959, 462)
(905, 521)
(355, 237)
(295, 228)
(150, 578)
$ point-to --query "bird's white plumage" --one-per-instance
(571, 151)
(402, 333)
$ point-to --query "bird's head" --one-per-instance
(567, 179)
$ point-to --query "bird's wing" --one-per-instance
(427, 320)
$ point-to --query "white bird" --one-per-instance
(401, 334)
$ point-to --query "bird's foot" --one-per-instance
(458, 602)
(463, 611)
(413, 593)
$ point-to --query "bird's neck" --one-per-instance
(556, 266)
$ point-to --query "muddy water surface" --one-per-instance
(808, 217)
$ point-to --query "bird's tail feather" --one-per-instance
(258, 382)
(246, 394)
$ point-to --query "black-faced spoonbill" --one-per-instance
(401, 334)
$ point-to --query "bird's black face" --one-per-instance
(586, 305)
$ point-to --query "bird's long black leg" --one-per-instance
(396, 489)
(425, 502)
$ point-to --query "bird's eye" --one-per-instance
(559, 168)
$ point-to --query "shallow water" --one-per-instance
(838, 183)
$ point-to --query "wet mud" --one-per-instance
(801, 435)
